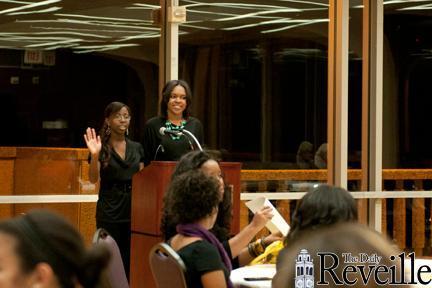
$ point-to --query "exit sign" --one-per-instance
(33, 57)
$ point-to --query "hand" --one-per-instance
(93, 142)
(262, 216)
(269, 239)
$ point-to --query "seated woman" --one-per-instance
(41, 249)
(323, 206)
(194, 205)
(302, 266)
(237, 246)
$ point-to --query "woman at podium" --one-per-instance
(163, 136)
(114, 159)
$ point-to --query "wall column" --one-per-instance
(337, 135)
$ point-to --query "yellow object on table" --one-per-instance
(270, 254)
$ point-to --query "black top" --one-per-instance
(114, 203)
(200, 257)
(170, 149)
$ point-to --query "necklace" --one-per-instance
(172, 127)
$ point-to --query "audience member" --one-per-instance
(340, 255)
(323, 206)
(194, 205)
(41, 249)
(305, 156)
(237, 245)
(321, 157)
(114, 159)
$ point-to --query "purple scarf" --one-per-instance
(195, 230)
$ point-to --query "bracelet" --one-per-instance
(262, 243)
(251, 249)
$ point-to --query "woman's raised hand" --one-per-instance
(93, 141)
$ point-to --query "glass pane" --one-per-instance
(63, 62)
(263, 66)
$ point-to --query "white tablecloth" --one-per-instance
(238, 275)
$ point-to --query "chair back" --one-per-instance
(116, 273)
(167, 267)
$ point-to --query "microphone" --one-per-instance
(194, 138)
(164, 131)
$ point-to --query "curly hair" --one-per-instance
(194, 160)
(322, 206)
(166, 95)
(193, 196)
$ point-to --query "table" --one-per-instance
(417, 264)
(267, 271)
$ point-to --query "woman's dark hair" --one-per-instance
(322, 206)
(105, 132)
(166, 95)
(194, 161)
(193, 196)
(339, 239)
(42, 236)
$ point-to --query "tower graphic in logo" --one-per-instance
(304, 270)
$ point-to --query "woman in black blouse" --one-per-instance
(175, 116)
(114, 159)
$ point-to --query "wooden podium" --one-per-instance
(148, 189)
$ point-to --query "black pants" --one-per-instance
(121, 232)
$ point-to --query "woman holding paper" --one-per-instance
(236, 246)
(324, 206)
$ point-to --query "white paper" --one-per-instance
(277, 223)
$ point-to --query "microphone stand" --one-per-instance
(194, 138)
(157, 150)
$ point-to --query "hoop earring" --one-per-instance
(108, 130)
(127, 131)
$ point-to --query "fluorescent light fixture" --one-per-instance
(81, 29)
(23, 34)
(197, 27)
(15, 2)
(277, 21)
(249, 15)
(91, 23)
(419, 7)
(295, 25)
(305, 2)
(71, 45)
(141, 36)
(149, 6)
(403, 1)
(29, 6)
(53, 43)
(102, 18)
(88, 49)
(48, 10)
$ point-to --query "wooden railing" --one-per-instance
(406, 221)
(63, 171)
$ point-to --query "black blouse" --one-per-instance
(114, 203)
(162, 147)
(201, 257)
